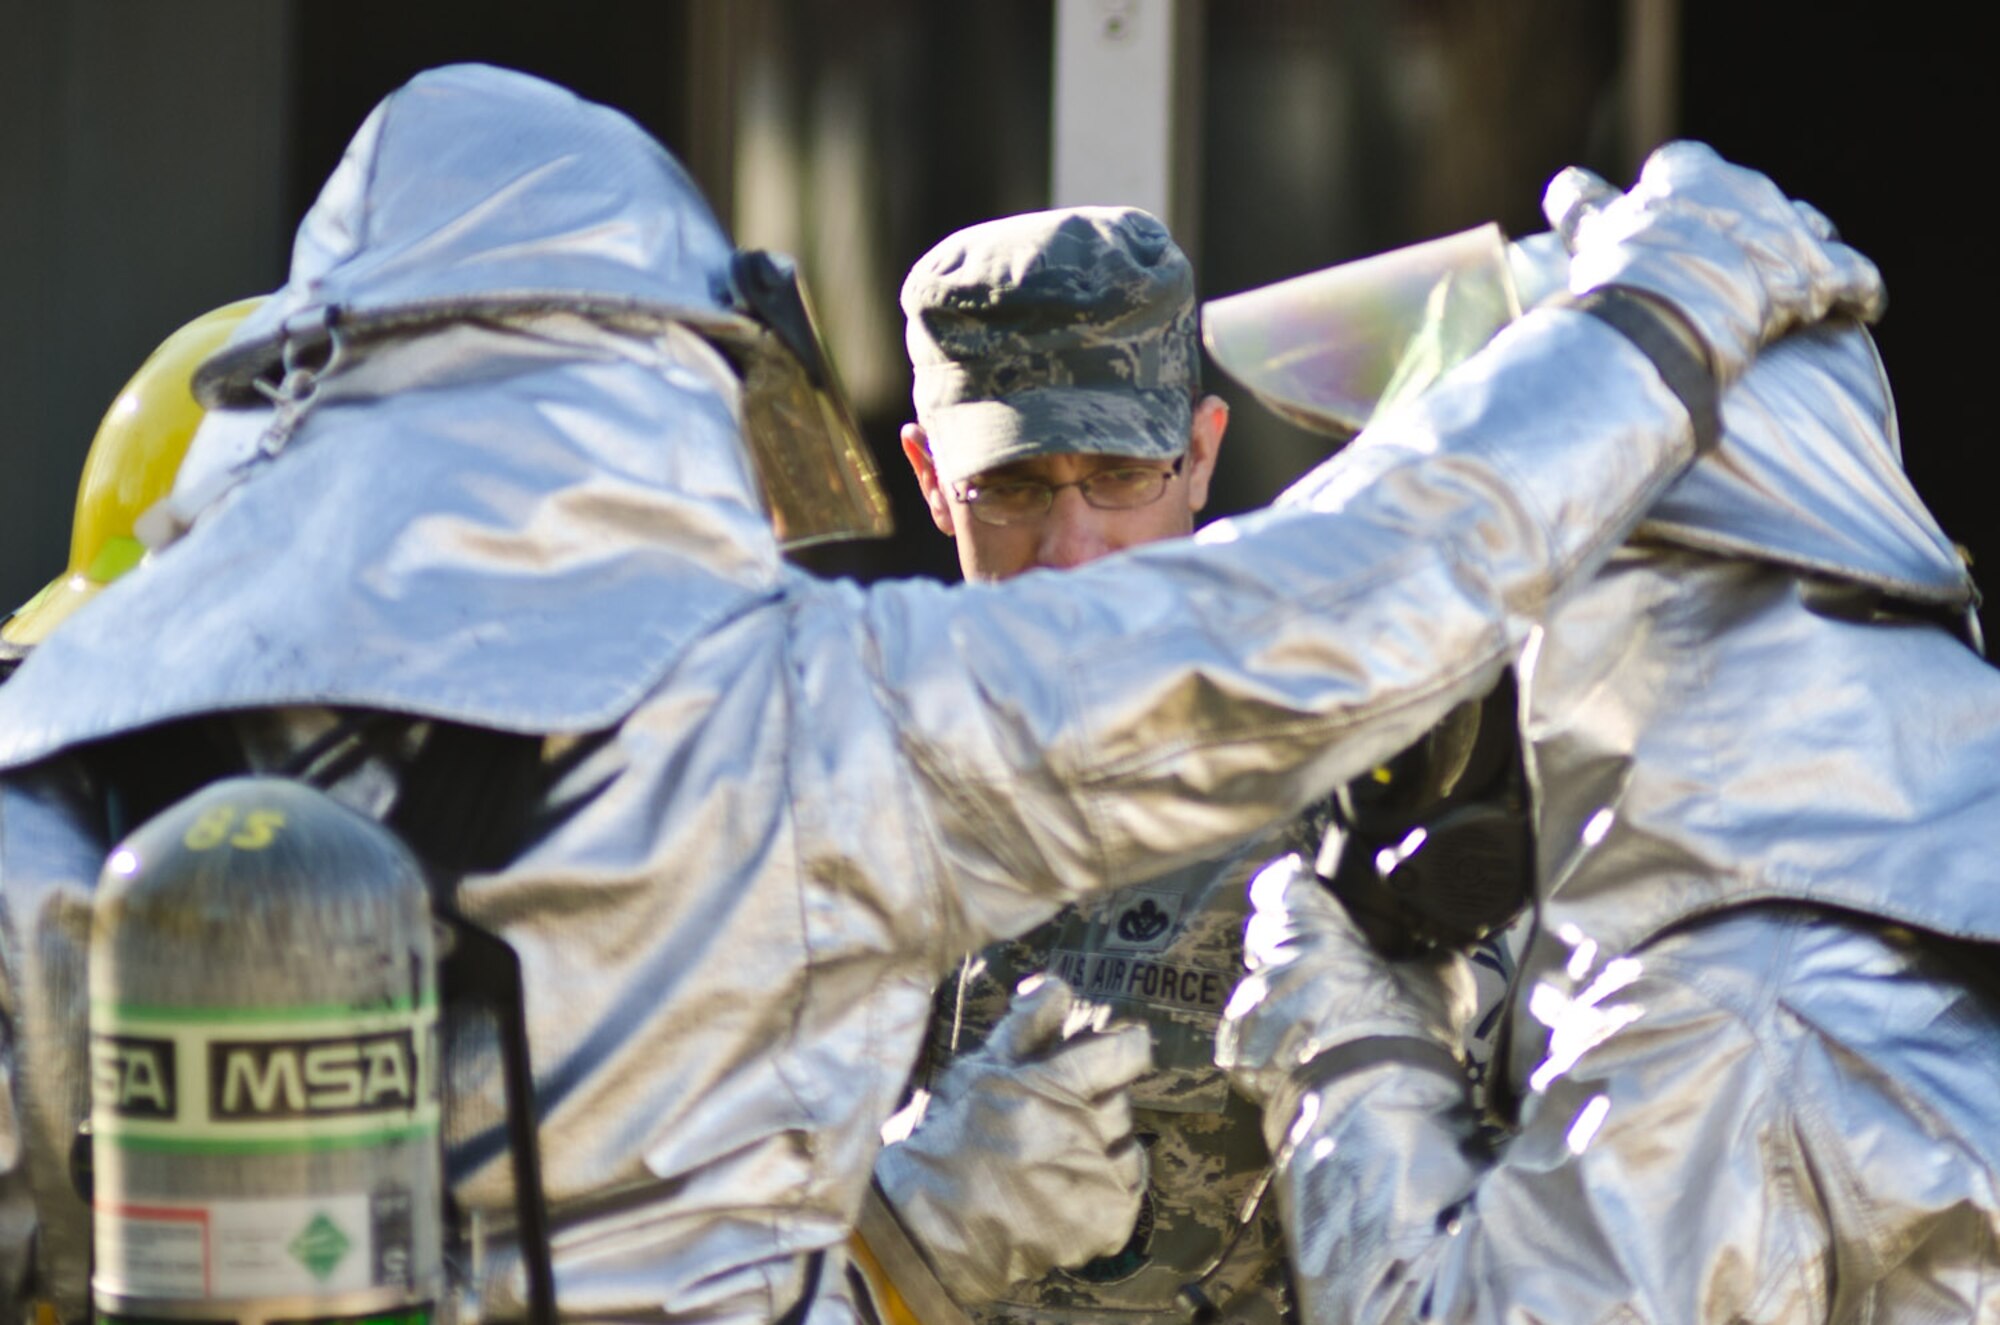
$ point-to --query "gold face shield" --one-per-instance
(1333, 349)
(818, 476)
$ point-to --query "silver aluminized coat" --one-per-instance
(1758, 1030)
(1766, 694)
(814, 796)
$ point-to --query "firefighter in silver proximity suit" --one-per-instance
(501, 484)
(1756, 1039)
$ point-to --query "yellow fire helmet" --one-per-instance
(132, 463)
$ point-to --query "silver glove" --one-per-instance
(1318, 998)
(1721, 244)
(1025, 1159)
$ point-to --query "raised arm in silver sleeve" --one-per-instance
(1084, 732)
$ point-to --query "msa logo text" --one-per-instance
(132, 1076)
(273, 1079)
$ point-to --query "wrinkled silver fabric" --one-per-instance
(1168, 954)
(1782, 1114)
(1755, 1030)
(1025, 1159)
(1707, 729)
(1811, 476)
(592, 213)
(812, 796)
(1721, 244)
(48, 851)
(1315, 986)
(597, 218)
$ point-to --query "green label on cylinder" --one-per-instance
(421, 1314)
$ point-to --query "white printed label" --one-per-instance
(250, 1248)
(150, 1251)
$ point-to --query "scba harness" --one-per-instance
(277, 984)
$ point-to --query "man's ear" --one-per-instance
(1211, 420)
(917, 449)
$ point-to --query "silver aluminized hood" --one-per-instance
(492, 484)
(479, 191)
(1809, 474)
(1829, 498)
(1761, 697)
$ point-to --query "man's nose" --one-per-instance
(1074, 532)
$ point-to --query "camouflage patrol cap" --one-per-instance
(1053, 332)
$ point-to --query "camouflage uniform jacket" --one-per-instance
(1165, 953)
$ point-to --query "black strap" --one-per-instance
(797, 1312)
(467, 804)
(1354, 1055)
(864, 1300)
(1664, 336)
(468, 797)
(144, 772)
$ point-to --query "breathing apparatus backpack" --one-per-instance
(275, 983)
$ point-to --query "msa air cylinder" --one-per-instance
(264, 1103)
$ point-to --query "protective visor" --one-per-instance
(818, 476)
(1333, 349)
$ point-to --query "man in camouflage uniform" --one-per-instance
(1084, 321)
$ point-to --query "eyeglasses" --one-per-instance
(1014, 501)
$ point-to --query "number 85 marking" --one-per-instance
(218, 826)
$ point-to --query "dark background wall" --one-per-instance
(154, 160)
(142, 173)
(1883, 116)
